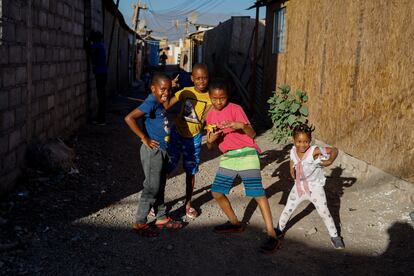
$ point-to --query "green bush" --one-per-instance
(286, 111)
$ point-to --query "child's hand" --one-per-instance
(232, 125)
(174, 82)
(332, 153)
(213, 136)
(152, 144)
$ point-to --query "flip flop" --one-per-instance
(191, 213)
(170, 224)
(144, 230)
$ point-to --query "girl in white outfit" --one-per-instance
(306, 164)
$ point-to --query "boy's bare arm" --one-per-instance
(130, 119)
(172, 101)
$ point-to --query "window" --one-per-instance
(279, 31)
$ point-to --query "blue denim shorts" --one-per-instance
(190, 149)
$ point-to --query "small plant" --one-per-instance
(286, 111)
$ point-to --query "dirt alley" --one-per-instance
(79, 223)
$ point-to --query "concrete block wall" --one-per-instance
(46, 85)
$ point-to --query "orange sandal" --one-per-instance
(169, 224)
(144, 230)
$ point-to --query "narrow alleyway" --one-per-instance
(79, 223)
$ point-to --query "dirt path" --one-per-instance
(79, 224)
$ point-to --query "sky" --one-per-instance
(167, 18)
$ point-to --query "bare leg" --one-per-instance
(267, 215)
(189, 188)
(225, 205)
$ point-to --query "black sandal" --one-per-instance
(271, 244)
(228, 227)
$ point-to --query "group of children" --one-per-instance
(206, 106)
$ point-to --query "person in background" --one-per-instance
(100, 69)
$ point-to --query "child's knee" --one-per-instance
(217, 195)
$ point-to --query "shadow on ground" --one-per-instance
(100, 250)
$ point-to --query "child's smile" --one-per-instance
(302, 142)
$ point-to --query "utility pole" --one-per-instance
(135, 24)
(135, 18)
(254, 63)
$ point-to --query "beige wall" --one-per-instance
(355, 59)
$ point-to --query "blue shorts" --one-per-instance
(189, 147)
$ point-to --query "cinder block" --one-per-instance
(43, 105)
(15, 54)
(60, 8)
(4, 56)
(36, 72)
(39, 54)
(21, 74)
(9, 76)
(7, 119)
(14, 11)
(59, 83)
(36, 36)
(42, 19)
(14, 139)
(21, 33)
(45, 4)
(52, 42)
(4, 143)
(44, 37)
(51, 21)
(8, 31)
(56, 50)
(35, 108)
(44, 71)
(52, 70)
(15, 97)
(50, 102)
(4, 100)
(20, 115)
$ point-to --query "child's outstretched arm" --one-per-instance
(130, 119)
(331, 151)
(246, 128)
(170, 102)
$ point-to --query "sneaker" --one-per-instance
(270, 245)
(337, 243)
(97, 123)
(279, 233)
(228, 227)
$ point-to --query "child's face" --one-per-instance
(200, 79)
(161, 90)
(302, 142)
(218, 98)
